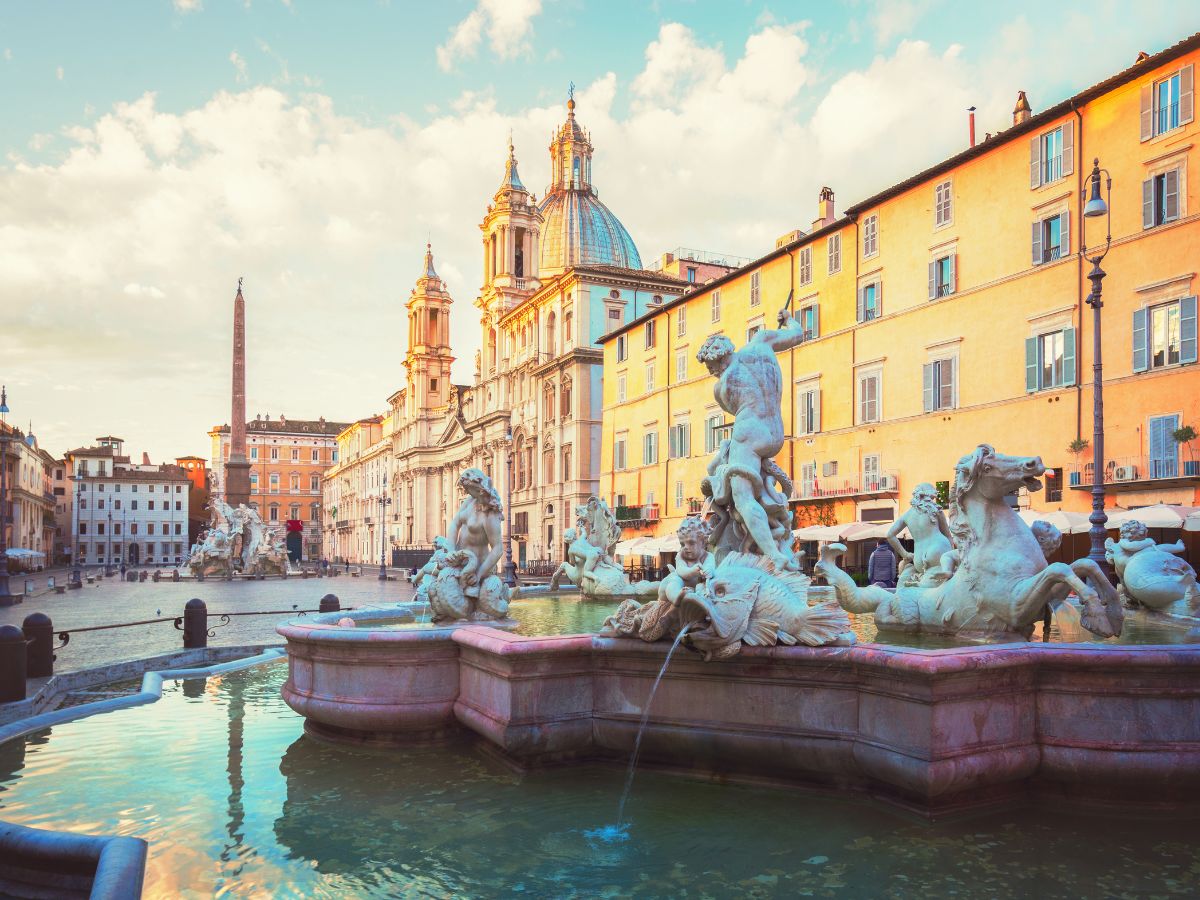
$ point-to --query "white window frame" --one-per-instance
(716, 306)
(806, 274)
(622, 347)
(650, 447)
(937, 368)
(871, 235)
(754, 326)
(860, 378)
(943, 203)
(621, 452)
(622, 387)
(678, 494)
(681, 322)
(649, 376)
(808, 408)
(755, 288)
(681, 366)
(833, 248)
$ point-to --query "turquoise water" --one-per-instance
(236, 801)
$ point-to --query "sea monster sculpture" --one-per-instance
(1003, 582)
(466, 586)
(1151, 574)
(425, 576)
(933, 558)
(590, 564)
(237, 542)
(754, 595)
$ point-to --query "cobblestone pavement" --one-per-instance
(111, 601)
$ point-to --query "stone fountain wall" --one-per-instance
(932, 730)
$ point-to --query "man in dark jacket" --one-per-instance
(881, 567)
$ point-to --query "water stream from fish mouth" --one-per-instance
(620, 831)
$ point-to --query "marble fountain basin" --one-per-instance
(932, 730)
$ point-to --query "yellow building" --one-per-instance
(946, 311)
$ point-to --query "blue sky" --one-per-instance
(155, 151)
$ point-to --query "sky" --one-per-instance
(153, 152)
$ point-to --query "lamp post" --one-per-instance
(1095, 208)
(510, 571)
(108, 566)
(384, 502)
(6, 597)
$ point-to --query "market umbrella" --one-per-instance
(637, 546)
(1160, 515)
(1192, 522)
(824, 533)
(1064, 521)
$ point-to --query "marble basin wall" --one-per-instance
(933, 730)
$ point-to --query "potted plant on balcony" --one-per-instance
(1075, 448)
(1185, 435)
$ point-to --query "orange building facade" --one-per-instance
(947, 311)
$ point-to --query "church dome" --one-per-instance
(577, 229)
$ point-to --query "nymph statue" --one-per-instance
(466, 585)
(589, 564)
(933, 559)
(1151, 574)
(427, 573)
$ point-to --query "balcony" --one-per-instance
(343, 524)
(833, 487)
(637, 515)
(1138, 473)
(695, 505)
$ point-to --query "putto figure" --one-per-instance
(466, 586)
(1151, 574)
(425, 576)
(933, 559)
(590, 565)
(748, 489)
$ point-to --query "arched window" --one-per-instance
(550, 322)
(519, 462)
(568, 318)
(548, 402)
(548, 467)
(565, 398)
(575, 170)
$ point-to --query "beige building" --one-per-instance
(29, 498)
(557, 274)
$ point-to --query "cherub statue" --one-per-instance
(448, 600)
(424, 576)
(1151, 574)
(933, 559)
(693, 565)
(1048, 536)
(582, 558)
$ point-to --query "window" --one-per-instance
(316, 455)
(754, 327)
(622, 348)
(294, 484)
(133, 505)
(254, 453)
(253, 486)
(619, 460)
(333, 455)
(691, 274)
(1164, 335)
(870, 235)
(83, 527)
(568, 321)
(149, 528)
(808, 411)
(548, 466)
(810, 322)
(274, 453)
(871, 472)
(1054, 485)
(649, 448)
(564, 397)
(649, 377)
(1050, 360)
(681, 366)
(806, 265)
(99, 504)
(834, 247)
(133, 527)
(714, 425)
(566, 463)
(716, 306)
(678, 494)
(1160, 199)
(314, 482)
(179, 505)
(621, 385)
(1051, 238)
(942, 276)
(615, 317)
(755, 288)
(1052, 155)
(869, 385)
(651, 334)
(296, 450)
(274, 513)
(150, 505)
(939, 383)
(679, 440)
(943, 205)
(681, 322)
(116, 504)
(1164, 451)
(274, 483)
(870, 301)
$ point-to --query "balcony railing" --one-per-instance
(695, 504)
(848, 486)
(629, 515)
(1134, 472)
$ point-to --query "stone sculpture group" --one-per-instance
(237, 542)
(1151, 574)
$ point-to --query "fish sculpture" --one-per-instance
(746, 603)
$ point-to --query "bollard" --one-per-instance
(141, 576)
(329, 603)
(39, 632)
(195, 624)
(157, 576)
(12, 664)
(175, 575)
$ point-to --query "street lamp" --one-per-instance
(510, 571)
(6, 597)
(108, 566)
(1095, 208)
(384, 502)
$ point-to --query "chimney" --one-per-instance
(825, 213)
(322, 421)
(1022, 112)
(145, 458)
(971, 110)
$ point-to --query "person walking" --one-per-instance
(881, 567)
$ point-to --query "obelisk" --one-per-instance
(237, 467)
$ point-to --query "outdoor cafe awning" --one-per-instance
(22, 553)
(851, 531)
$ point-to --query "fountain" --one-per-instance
(237, 542)
(776, 690)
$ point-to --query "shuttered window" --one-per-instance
(649, 377)
(681, 361)
(681, 321)
(1160, 199)
(649, 448)
(755, 289)
(834, 249)
(1052, 155)
(943, 276)
(713, 426)
(808, 411)
(1050, 360)
(1164, 335)
(870, 301)
(619, 454)
(943, 204)
(806, 265)
(1051, 238)
(940, 389)
(679, 440)
(870, 235)
(622, 348)
(622, 383)
(810, 321)
(1167, 103)
(716, 306)
(1164, 450)
(869, 395)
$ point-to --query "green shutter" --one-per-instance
(1068, 147)
(1187, 330)
(933, 279)
(1068, 357)
(1148, 203)
(1035, 161)
(1031, 364)
(1037, 243)
(1141, 350)
(927, 379)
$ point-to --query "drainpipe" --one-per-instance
(854, 338)
(792, 368)
(1079, 262)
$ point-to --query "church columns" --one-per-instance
(531, 266)
(509, 249)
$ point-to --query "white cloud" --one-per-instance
(8, 54)
(133, 289)
(239, 65)
(507, 23)
(187, 6)
(895, 18)
(58, 73)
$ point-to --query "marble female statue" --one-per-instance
(1151, 574)
(475, 529)
(743, 474)
(933, 559)
(1002, 583)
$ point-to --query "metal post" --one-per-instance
(39, 633)
(12, 664)
(510, 571)
(6, 597)
(329, 603)
(195, 623)
(384, 502)
(1098, 518)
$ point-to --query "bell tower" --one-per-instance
(429, 355)
(571, 154)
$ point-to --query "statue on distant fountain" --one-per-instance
(466, 586)
(590, 564)
(237, 542)
(1002, 583)
(1151, 574)
(933, 559)
(745, 588)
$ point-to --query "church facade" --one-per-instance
(558, 274)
